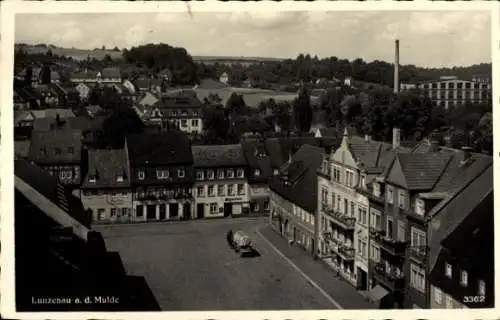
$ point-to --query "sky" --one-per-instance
(427, 39)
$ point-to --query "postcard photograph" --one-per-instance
(252, 160)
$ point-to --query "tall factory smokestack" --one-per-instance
(396, 67)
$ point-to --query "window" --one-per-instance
(125, 212)
(211, 191)
(266, 205)
(181, 173)
(240, 173)
(256, 207)
(119, 178)
(58, 151)
(194, 123)
(256, 172)
(140, 175)
(210, 174)
(162, 174)
(463, 278)
(448, 270)
(184, 123)
(438, 295)
(113, 212)
(101, 214)
(241, 189)
(418, 239)
(353, 209)
(213, 208)
(230, 189)
(336, 174)
(139, 210)
(201, 191)
(390, 194)
(481, 290)
(364, 246)
(199, 175)
(92, 178)
(324, 195)
(349, 178)
(401, 231)
(275, 171)
(375, 253)
(363, 215)
(417, 277)
(230, 173)
(71, 150)
(376, 190)
(390, 227)
(363, 181)
(220, 174)
(449, 302)
(403, 198)
(420, 207)
(221, 190)
(376, 220)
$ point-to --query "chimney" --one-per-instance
(396, 138)
(396, 67)
(467, 155)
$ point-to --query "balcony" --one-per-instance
(392, 246)
(388, 278)
(343, 220)
(419, 253)
(346, 253)
(368, 192)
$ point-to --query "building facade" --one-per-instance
(221, 186)
(162, 176)
(106, 188)
(451, 91)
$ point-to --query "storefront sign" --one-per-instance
(232, 199)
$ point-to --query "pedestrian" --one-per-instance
(229, 237)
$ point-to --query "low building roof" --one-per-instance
(218, 156)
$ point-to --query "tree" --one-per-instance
(45, 74)
(28, 76)
(122, 122)
(235, 105)
(303, 111)
(216, 124)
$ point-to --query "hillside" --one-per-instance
(74, 53)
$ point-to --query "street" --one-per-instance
(189, 266)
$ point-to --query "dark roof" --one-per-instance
(105, 166)
(142, 84)
(455, 212)
(22, 148)
(78, 123)
(368, 153)
(301, 174)
(218, 156)
(56, 147)
(421, 171)
(257, 157)
(111, 72)
(328, 132)
(86, 74)
(280, 149)
(211, 84)
(50, 188)
(172, 147)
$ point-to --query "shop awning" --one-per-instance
(377, 293)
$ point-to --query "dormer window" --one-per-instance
(420, 207)
(362, 180)
(119, 178)
(92, 178)
(256, 172)
(376, 189)
(162, 174)
(181, 173)
(140, 175)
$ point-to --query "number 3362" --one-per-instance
(474, 299)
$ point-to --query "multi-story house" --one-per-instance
(451, 91)
(294, 208)
(162, 175)
(183, 112)
(106, 188)
(462, 249)
(259, 173)
(221, 185)
(343, 213)
(59, 152)
(37, 75)
(418, 186)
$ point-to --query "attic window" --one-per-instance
(119, 178)
(140, 175)
(92, 179)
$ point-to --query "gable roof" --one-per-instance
(421, 171)
(301, 173)
(50, 147)
(105, 166)
(166, 148)
(218, 156)
(257, 157)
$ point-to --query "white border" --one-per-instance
(9, 8)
